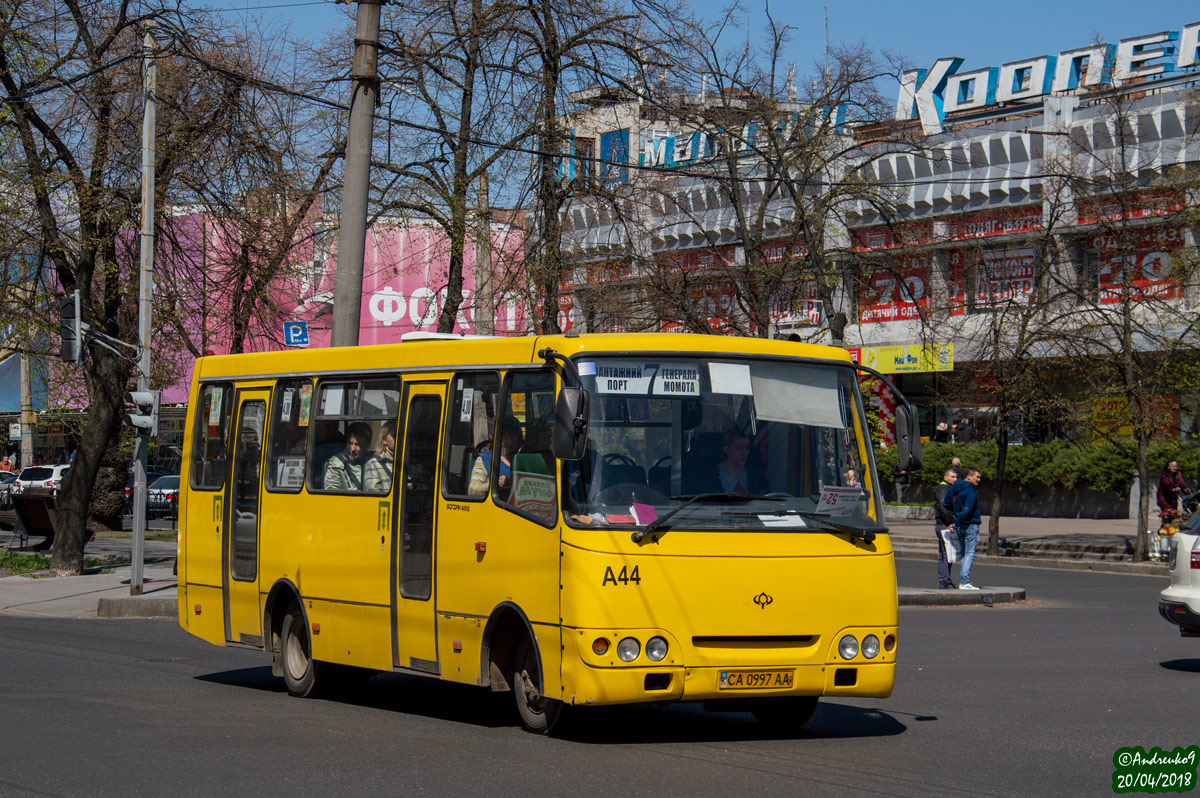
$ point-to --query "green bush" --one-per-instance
(1059, 463)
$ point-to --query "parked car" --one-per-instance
(152, 474)
(6, 480)
(40, 476)
(1180, 602)
(162, 497)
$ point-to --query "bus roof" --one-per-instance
(449, 352)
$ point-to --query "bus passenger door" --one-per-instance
(243, 612)
(414, 627)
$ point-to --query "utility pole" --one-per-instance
(145, 295)
(485, 299)
(352, 238)
(27, 425)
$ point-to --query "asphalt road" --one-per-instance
(988, 701)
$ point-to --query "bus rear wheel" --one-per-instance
(538, 713)
(300, 671)
(785, 715)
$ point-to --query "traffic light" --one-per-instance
(68, 326)
(145, 417)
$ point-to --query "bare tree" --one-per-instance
(72, 84)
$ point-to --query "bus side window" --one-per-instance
(524, 480)
(210, 438)
(357, 409)
(470, 433)
(289, 435)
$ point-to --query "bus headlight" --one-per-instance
(870, 647)
(848, 647)
(628, 649)
(656, 649)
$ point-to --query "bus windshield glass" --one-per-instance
(788, 435)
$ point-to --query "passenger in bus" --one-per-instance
(511, 440)
(344, 471)
(377, 476)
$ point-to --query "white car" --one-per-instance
(1180, 603)
(42, 476)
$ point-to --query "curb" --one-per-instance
(926, 597)
(1159, 570)
(137, 607)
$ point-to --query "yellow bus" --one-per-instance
(581, 520)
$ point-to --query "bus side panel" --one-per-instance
(350, 635)
(519, 565)
(200, 550)
(333, 547)
(459, 643)
(202, 612)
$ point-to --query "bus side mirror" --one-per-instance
(908, 438)
(571, 423)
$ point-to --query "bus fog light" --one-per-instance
(656, 649)
(628, 649)
(600, 646)
(889, 642)
(870, 647)
(848, 647)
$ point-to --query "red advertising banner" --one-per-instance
(1002, 276)
(1143, 257)
(714, 302)
(904, 235)
(996, 223)
(779, 251)
(701, 259)
(896, 291)
(1130, 206)
(796, 304)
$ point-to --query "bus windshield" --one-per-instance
(788, 435)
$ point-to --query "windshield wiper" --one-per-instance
(824, 518)
(661, 522)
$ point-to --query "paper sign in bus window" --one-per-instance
(533, 494)
(836, 501)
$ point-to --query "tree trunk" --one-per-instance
(1142, 552)
(109, 376)
(993, 541)
(108, 495)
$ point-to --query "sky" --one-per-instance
(984, 33)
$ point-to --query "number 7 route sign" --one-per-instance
(295, 333)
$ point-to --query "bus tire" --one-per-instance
(300, 670)
(539, 714)
(785, 715)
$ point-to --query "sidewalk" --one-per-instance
(1080, 543)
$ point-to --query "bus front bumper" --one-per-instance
(584, 684)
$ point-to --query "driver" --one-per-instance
(733, 472)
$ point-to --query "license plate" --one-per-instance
(756, 680)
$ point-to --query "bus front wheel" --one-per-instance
(785, 715)
(539, 714)
(299, 669)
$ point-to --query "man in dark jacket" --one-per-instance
(963, 500)
(943, 520)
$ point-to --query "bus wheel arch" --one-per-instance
(512, 661)
(505, 628)
(283, 594)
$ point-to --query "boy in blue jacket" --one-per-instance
(963, 501)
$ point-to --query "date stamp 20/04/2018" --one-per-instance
(1135, 770)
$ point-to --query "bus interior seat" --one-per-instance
(659, 478)
(700, 463)
(330, 441)
(619, 473)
